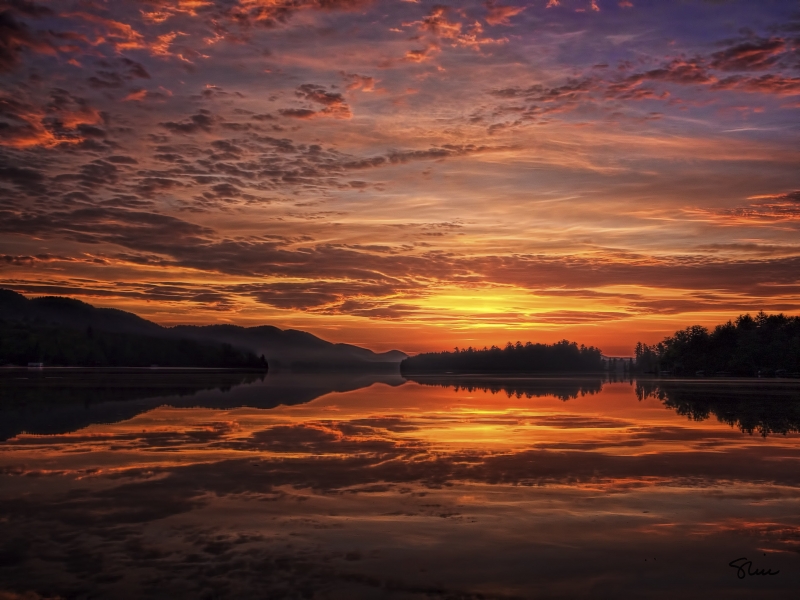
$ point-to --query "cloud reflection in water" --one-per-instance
(402, 491)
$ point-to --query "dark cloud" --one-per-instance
(27, 8)
(148, 186)
(765, 208)
(573, 89)
(135, 69)
(16, 37)
(169, 157)
(109, 225)
(28, 261)
(270, 15)
(116, 73)
(90, 131)
(105, 80)
(445, 151)
(95, 174)
(122, 160)
(27, 179)
(202, 121)
(751, 55)
(255, 163)
(791, 196)
(312, 295)
(758, 54)
(319, 95)
(685, 72)
(298, 113)
(227, 147)
(226, 189)
(765, 84)
(334, 104)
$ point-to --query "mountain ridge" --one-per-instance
(283, 348)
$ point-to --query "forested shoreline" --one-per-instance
(561, 357)
(22, 343)
(767, 345)
(761, 346)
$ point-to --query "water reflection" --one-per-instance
(750, 405)
(529, 387)
(36, 403)
(442, 489)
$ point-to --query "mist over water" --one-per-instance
(372, 486)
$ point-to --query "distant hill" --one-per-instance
(73, 313)
(293, 349)
(56, 345)
(283, 349)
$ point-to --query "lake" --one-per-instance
(372, 486)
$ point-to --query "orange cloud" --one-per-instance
(121, 35)
(137, 95)
(161, 46)
(59, 123)
(437, 25)
(359, 82)
(333, 102)
(500, 15)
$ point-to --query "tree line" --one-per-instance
(30, 342)
(764, 345)
(563, 356)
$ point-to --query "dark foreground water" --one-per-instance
(189, 486)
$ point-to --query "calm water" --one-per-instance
(167, 486)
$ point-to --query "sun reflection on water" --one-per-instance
(412, 485)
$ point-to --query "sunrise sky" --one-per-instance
(405, 174)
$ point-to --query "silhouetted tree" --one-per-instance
(764, 344)
(563, 356)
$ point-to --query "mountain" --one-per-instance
(73, 313)
(288, 349)
(25, 342)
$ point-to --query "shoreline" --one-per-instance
(130, 370)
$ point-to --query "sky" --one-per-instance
(405, 174)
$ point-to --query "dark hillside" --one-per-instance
(293, 349)
(54, 345)
(72, 313)
(284, 349)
